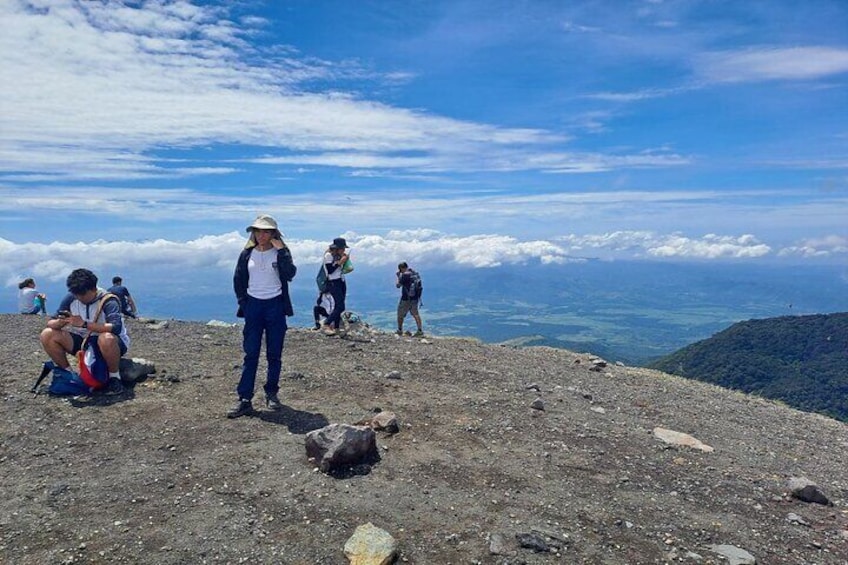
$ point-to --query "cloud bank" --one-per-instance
(421, 247)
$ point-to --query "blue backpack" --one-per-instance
(63, 383)
(92, 377)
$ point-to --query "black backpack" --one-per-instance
(415, 286)
(322, 280)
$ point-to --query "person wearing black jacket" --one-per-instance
(261, 283)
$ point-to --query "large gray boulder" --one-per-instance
(340, 445)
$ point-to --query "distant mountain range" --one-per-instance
(800, 360)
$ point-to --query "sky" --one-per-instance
(467, 132)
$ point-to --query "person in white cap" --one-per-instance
(261, 283)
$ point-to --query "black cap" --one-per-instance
(339, 243)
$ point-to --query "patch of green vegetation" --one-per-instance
(799, 360)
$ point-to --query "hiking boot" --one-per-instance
(273, 402)
(114, 387)
(399, 332)
(243, 408)
(419, 333)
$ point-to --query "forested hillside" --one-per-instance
(800, 360)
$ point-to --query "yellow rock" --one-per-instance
(369, 545)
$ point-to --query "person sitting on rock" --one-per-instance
(74, 320)
(30, 301)
(128, 307)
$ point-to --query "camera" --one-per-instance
(64, 313)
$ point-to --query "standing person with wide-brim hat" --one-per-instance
(334, 260)
(261, 282)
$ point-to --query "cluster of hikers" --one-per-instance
(31, 301)
(261, 283)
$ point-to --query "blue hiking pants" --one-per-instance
(268, 317)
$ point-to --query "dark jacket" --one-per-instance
(285, 268)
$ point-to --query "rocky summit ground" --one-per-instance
(159, 475)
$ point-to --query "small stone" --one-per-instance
(734, 555)
(533, 541)
(498, 545)
(679, 438)
(538, 404)
(796, 519)
(805, 490)
(370, 545)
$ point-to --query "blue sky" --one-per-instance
(473, 132)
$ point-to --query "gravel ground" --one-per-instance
(159, 475)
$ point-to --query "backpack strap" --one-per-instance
(48, 366)
(103, 300)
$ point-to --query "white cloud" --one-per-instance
(420, 233)
(499, 160)
(647, 243)
(593, 163)
(776, 63)
(711, 246)
(145, 213)
(100, 87)
(818, 247)
(55, 260)
(638, 95)
(571, 27)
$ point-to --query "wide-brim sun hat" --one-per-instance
(339, 243)
(264, 222)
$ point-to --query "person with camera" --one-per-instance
(261, 283)
(409, 283)
(81, 313)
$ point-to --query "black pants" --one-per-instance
(338, 288)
